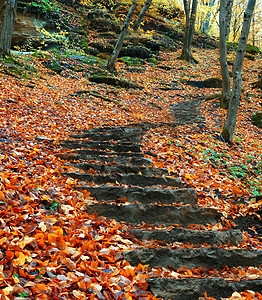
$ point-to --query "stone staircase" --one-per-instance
(113, 155)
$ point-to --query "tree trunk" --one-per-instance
(253, 31)
(224, 24)
(208, 17)
(230, 124)
(141, 14)
(118, 46)
(189, 30)
(8, 27)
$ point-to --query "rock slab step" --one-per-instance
(192, 289)
(131, 179)
(124, 133)
(116, 168)
(131, 161)
(119, 147)
(142, 195)
(182, 235)
(155, 214)
(108, 137)
(213, 257)
(108, 153)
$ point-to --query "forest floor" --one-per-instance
(38, 205)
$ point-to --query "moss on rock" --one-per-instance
(257, 119)
(114, 81)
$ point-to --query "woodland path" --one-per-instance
(114, 170)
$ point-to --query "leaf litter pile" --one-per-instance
(50, 248)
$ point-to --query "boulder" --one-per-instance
(108, 35)
(105, 25)
(257, 119)
(131, 61)
(165, 42)
(214, 82)
(30, 29)
(136, 51)
(150, 44)
(232, 46)
(95, 13)
(252, 49)
(102, 47)
(114, 81)
(250, 56)
(257, 84)
(27, 27)
(55, 66)
(208, 83)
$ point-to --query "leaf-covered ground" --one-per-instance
(50, 248)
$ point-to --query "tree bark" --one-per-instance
(224, 24)
(8, 27)
(230, 124)
(119, 44)
(141, 15)
(189, 30)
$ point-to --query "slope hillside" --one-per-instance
(122, 188)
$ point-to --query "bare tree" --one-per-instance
(236, 18)
(190, 12)
(230, 123)
(119, 44)
(208, 16)
(8, 26)
(141, 14)
(224, 24)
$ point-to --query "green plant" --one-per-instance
(57, 54)
(152, 60)
(52, 206)
(252, 49)
(41, 54)
(23, 295)
(85, 46)
(131, 61)
(45, 5)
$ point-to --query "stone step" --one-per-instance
(232, 236)
(156, 214)
(132, 161)
(193, 288)
(109, 153)
(130, 179)
(213, 257)
(129, 129)
(111, 133)
(119, 147)
(114, 168)
(107, 137)
(142, 195)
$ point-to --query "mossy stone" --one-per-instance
(252, 49)
(9, 67)
(55, 66)
(232, 46)
(114, 81)
(250, 56)
(213, 83)
(131, 61)
(105, 25)
(257, 119)
(152, 60)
